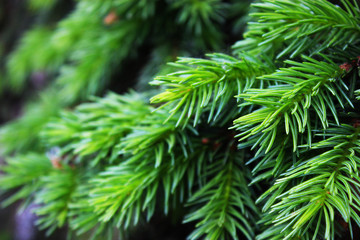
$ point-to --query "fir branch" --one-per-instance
(135, 179)
(165, 184)
(305, 24)
(207, 85)
(54, 198)
(224, 207)
(39, 180)
(317, 189)
(122, 193)
(155, 136)
(82, 217)
(119, 190)
(95, 130)
(79, 133)
(309, 85)
(23, 171)
(273, 163)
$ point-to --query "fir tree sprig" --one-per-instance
(54, 198)
(24, 172)
(312, 192)
(308, 86)
(94, 130)
(304, 24)
(123, 194)
(152, 135)
(207, 85)
(224, 204)
(49, 186)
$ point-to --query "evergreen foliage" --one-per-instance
(85, 49)
(259, 144)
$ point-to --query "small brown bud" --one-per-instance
(346, 66)
(56, 162)
(111, 18)
(205, 140)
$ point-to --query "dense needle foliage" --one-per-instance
(262, 143)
